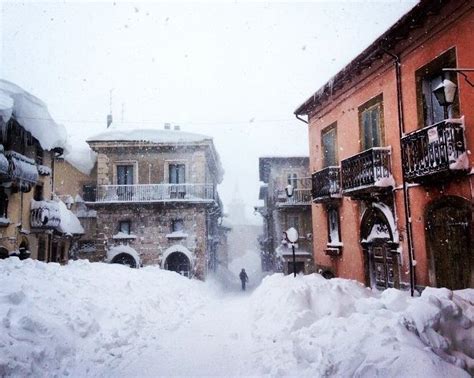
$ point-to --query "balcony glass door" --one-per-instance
(124, 177)
(371, 127)
(177, 179)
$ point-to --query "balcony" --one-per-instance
(22, 170)
(367, 173)
(156, 193)
(300, 197)
(44, 214)
(326, 185)
(435, 152)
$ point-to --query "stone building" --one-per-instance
(155, 201)
(281, 212)
(389, 150)
(33, 222)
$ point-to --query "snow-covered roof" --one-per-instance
(32, 114)
(148, 135)
(69, 222)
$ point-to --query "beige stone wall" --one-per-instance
(151, 223)
(68, 180)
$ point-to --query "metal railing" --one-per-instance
(368, 169)
(156, 193)
(44, 214)
(434, 149)
(301, 196)
(326, 184)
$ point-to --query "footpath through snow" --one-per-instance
(108, 320)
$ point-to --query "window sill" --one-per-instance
(4, 222)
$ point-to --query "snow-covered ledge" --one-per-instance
(177, 235)
(123, 235)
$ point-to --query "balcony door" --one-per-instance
(329, 146)
(124, 177)
(177, 179)
(371, 124)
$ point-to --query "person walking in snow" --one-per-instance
(243, 278)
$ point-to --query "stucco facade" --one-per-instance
(389, 79)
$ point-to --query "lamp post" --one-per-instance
(291, 236)
(445, 93)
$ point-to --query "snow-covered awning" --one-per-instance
(4, 165)
(31, 113)
(21, 168)
(70, 224)
(44, 214)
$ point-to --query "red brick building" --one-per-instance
(392, 178)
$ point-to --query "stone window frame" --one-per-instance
(166, 173)
(133, 163)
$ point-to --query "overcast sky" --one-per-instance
(233, 70)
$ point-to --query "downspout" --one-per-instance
(406, 194)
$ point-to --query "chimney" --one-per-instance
(109, 120)
(177, 128)
(167, 126)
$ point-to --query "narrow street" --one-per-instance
(214, 341)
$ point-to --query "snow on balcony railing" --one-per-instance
(44, 214)
(21, 168)
(435, 150)
(4, 165)
(367, 171)
(326, 184)
(301, 196)
(156, 193)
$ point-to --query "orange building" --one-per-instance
(389, 151)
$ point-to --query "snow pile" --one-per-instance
(32, 114)
(340, 328)
(81, 157)
(83, 319)
(70, 224)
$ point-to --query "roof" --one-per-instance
(159, 136)
(265, 163)
(386, 42)
(32, 114)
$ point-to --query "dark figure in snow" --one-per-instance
(243, 278)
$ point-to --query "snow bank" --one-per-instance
(32, 114)
(82, 319)
(70, 224)
(340, 328)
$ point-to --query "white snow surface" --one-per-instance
(69, 224)
(96, 319)
(149, 135)
(81, 157)
(32, 114)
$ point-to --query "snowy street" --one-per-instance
(98, 319)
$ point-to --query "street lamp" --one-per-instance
(291, 236)
(445, 93)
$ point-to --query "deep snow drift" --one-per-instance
(109, 320)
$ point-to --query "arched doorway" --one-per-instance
(379, 242)
(124, 259)
(178, 262)
(448, 224)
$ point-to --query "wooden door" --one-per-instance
(384, 265)
(448, 227)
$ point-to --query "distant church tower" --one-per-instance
(237, 208)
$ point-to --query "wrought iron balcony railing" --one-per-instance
(367, 172)
(435, 151)
(44, 214)
(301, 196)
(156, 193)
(326, 184)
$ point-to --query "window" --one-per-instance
(371, 123)
(293, 221)
(125, 227)
(177, 174)
(124, 174)
(329, 146)
(3, 203)
(292, 180)
(333, 226)
(38, 153)
(38, 193)
(177, 225)
(89, 192)
(427, 79)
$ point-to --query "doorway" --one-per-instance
(178, 262)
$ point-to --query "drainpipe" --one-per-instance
(406, 194)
